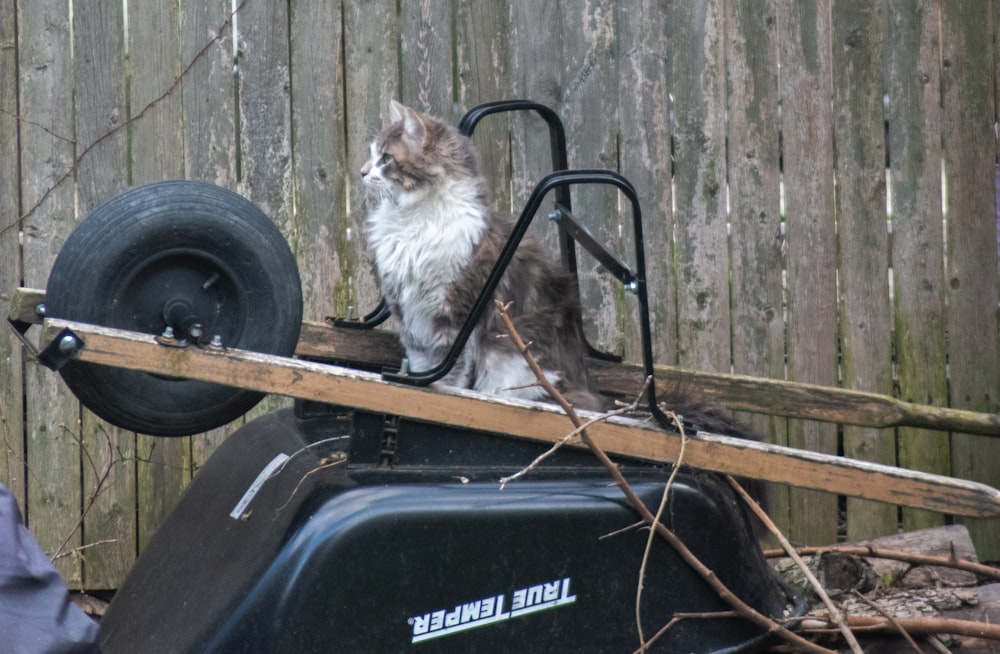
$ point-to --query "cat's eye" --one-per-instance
(384, 160)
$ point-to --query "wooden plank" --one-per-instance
(534, 420)
(109, 525)
(264, 106)
(482, 52)
(11, 357)
(914, 117)
(371, 79)
(321, 222)
(47, 157)
(645, 160)
(804, 49)
(209, 126)
(162, 465)
(756, 240)
(426, 47)
(863, 266)
(589, 89)
(967, 31)
(377, 349)
(698, 86)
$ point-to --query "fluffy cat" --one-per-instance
(435, 239)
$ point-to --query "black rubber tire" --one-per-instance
(153, 244)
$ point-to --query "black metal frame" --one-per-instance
(571, 233)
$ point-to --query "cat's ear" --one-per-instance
(413, 124)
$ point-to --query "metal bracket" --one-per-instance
(60, 350)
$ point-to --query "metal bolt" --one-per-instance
(216, 341)
(632, 286)
(40, 310)
(555, 214)
(195, 332)
(350, 312)
(67, 343)
(168, 332)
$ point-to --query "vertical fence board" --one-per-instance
(698, 88)
(426, 39)
(47, 151)
(163, 464)
(914, 116)
(807, 156)
(482, 51)
(371, 80)
(11, 356)
(321, 220)
(109, 528)
(208, 102)
(755, 212)
(590, 114)
(645, 159)
(865, 321)
(972, 285)
(265, 124)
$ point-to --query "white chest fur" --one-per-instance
(422, 243)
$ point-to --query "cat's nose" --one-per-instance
(367, 168)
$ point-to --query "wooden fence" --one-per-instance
(832, 220)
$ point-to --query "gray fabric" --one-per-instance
(37, 615)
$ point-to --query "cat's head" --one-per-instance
(413, 155)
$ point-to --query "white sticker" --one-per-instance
(264, 475)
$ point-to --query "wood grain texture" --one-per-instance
(972, 281)
(11, 359)
(533, 420)
(914, 109)
(862, 230)
(108, 468)
(697, 79)
(805, 87)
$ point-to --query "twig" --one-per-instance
(870, 624)
(570, 437)
(649, 540)
(75, 550)
(677, 617)
(682, 550)
(896, 555)
(836, 616)
(335, 459)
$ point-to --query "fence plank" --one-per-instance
(482, 51)
(807, 155)
(972, 284)
(645, 159)
(863, 266)
(368, 88)
(11, 358)
(321, 222)
(264, 82)
(109, 494)
(163, 465)
(754, 194)
(914, 114)
(47, 154)
(209, 124)
(698, 80)
(426, 72)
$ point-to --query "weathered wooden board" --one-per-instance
(913, 110)
(973, 283)
(209, 124)
(108, 468)
(53, 497)
(533, 420)
(11, 360)
(804, 87)
(862, 231)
